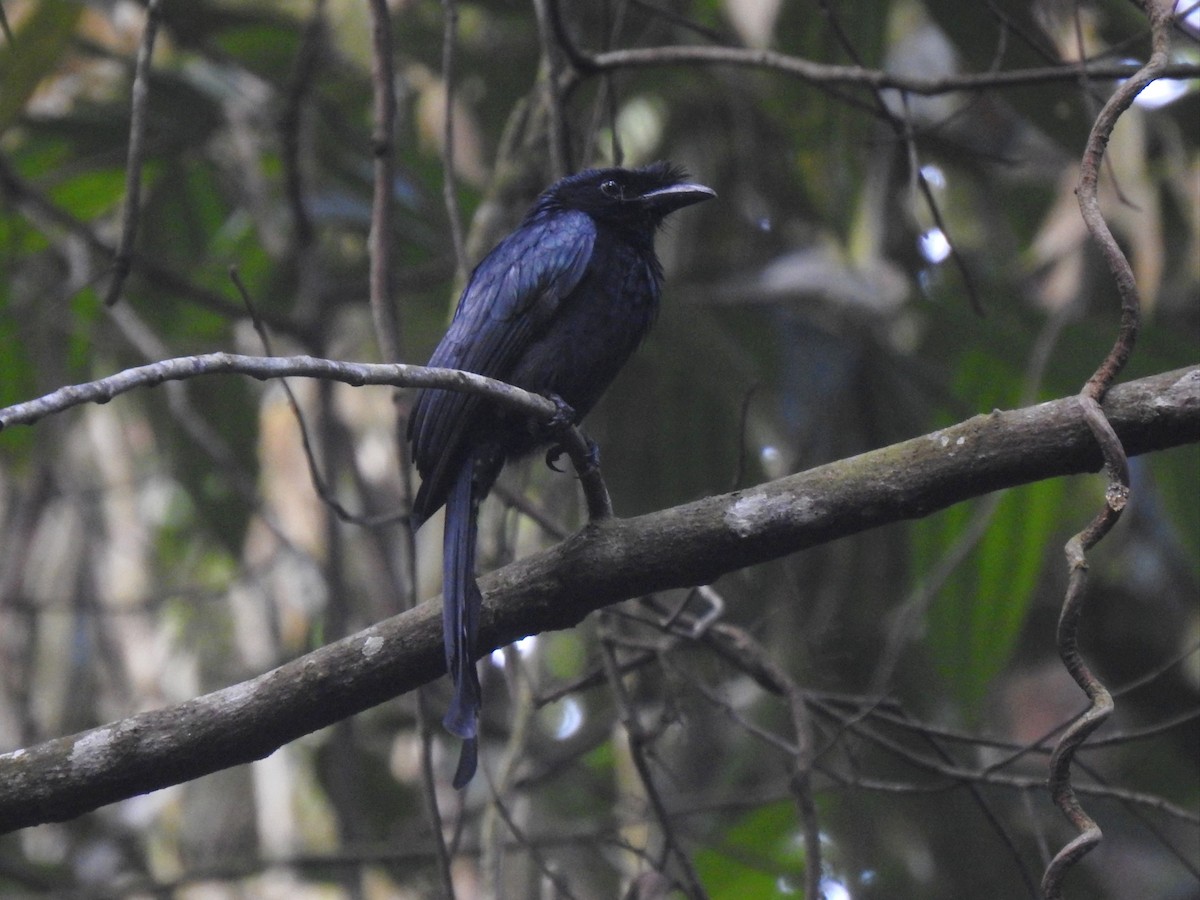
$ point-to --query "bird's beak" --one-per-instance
(676, 196)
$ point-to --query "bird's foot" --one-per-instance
(564, 414)
(591, 462)
(563, 419)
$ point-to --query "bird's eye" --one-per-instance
(611, 189)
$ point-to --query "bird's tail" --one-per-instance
(460, 616)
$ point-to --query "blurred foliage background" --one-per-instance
(171, 543)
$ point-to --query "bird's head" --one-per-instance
(630, 198)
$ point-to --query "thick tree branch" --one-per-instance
(606, 562)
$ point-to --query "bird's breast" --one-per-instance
(595, 329)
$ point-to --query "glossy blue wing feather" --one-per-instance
(557, 307)
(510, 299)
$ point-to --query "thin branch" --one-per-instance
(903, 129)
(1164, 410)
(993, 819)
(131, 207)
(594, 678)
(606, 97)
(669, 15)
(1164, 666)
(48, 218)
(558, 138)
(1115, 461)
(319, 482)
(578, 447)
(561, 885)
(265, 367)
(639, 739)
(939, 222)
(383, 80)
(300, 84)
(824, 74)
(441, 852)
(752, 656)
(449, 176)
(952, 777)
(878, 711)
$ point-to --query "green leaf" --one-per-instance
(564, 654)
(761, 853)
(1177, 482)
(16, 381)
(1008, 566)
(91, 193)
(977, 616)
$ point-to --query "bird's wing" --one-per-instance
(511, 297)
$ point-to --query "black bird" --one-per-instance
(556, 308)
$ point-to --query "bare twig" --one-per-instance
(639, 740)
(558, 138)
(939, 222)
(131, 207)
(1115, 462)
(319, 482)
(561, 885)
(441, 852)
(265, 367)
(903, 129)
(826, 75)
(753, 657)
(380, 242)
(48, 217)
(449, 176)
(578, 447)
(299, 86)
(952, 776)
(993, 819)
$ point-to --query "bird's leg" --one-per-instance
(563, 418)
(564, 414)
(593, 456)
(584, 453)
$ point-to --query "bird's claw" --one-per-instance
(563, 418)
(591, 461)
